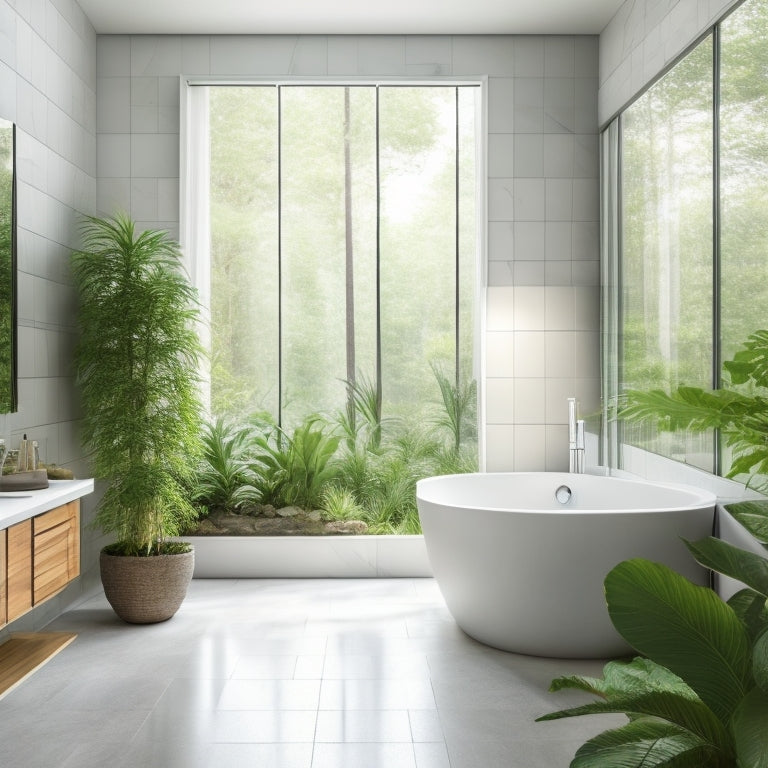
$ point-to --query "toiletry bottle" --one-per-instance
(35, 455)
(10, 462)
(23, 454)
(2, 453)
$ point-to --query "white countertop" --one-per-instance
(16, 506)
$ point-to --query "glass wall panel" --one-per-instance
(328, 216)
(344, 249)
(743, 176)
(244, 250)
(666, 245)
(418, 244)
(468, 109)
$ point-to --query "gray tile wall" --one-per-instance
(48, 87)
(642, 39)
(542, 196)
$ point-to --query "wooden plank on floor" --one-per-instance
(25, 652)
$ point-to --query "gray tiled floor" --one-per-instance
(290, 674)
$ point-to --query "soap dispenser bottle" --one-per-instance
(22, 461)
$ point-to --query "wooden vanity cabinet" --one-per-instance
(40, 556)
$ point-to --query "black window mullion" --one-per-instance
(379, 378)
(716, 240)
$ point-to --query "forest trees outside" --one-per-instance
(343, 275)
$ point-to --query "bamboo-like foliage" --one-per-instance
(137, 361)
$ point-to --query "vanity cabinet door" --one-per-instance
(3, 579)
(19, 584)
(56, 550)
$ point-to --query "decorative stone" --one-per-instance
(289, 511)
(301, 524)
(346, 527)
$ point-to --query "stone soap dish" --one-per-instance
(32, 480)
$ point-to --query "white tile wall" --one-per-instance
(48, 87)
(642, 39)
(542, 198)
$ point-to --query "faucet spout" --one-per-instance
(575, 438)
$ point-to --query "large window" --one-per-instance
(332, 231)
(686, 253)
(343, 246)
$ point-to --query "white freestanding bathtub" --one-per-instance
(523, 571)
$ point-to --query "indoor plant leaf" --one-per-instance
(691, 715)
(750, 730)
(640, 675)
(644, 744)
(684, 627)
(725, 558)
(753, 516)
(760, 662)
(752, 608)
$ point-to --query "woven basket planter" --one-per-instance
(146, 590)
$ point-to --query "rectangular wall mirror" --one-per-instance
(8, 392)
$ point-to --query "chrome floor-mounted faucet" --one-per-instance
(575, 439)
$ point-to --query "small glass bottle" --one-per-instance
(10, 464)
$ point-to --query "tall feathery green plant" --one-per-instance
(137, 360)
(740, 415)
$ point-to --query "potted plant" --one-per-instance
(136, 364)
(698, 695)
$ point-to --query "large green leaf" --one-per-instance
(725, 558)
(752, 608)
(683, 627)
(760, 662)
(687, 408)
(753, 516)
(640, 675)
(646, 744)
(752, 361)
(690, 715)
(750, 730)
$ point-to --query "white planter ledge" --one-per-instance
(256, 557)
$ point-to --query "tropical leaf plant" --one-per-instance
(361, 422)
(697, 697)
(459, 407)
(740, 415)
(299, 465)
(226, 478)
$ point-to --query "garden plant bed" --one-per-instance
(288, 521)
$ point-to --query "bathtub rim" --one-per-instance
(700, 497)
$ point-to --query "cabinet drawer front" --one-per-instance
(51, 561)
(50, 582)
(55, 517)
